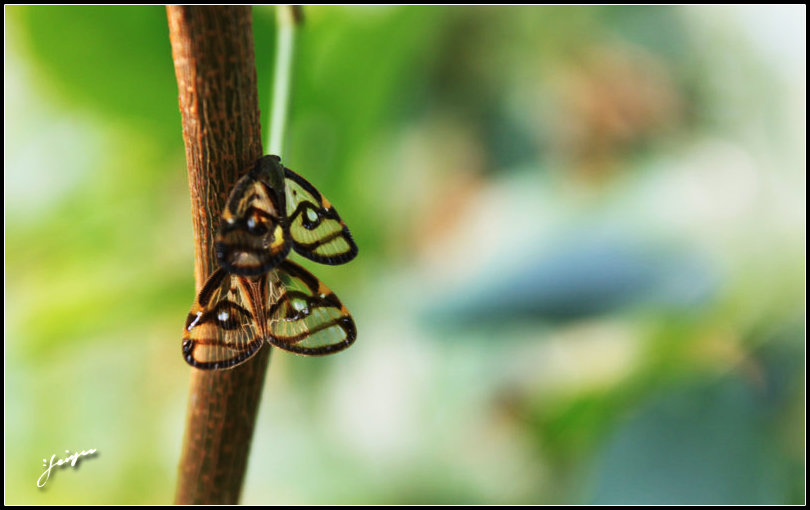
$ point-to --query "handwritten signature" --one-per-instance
(70, 459)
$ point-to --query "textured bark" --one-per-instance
(213, 56)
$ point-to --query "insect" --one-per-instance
(271, 210)
(288, 307)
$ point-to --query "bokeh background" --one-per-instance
(582, 256)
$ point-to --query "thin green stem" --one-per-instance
(288, 17)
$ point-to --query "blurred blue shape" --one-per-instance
(588, 273)
(705, 444)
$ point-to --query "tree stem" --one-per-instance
(212, 48)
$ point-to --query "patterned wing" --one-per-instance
(251, 238)
(303, 315)
(316, 229)
(220, 330)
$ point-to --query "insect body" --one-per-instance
(271, 210)
(288, 307)
(257, 295)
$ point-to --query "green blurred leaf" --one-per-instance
(114, 60)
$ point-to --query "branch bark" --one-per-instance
(212, 48)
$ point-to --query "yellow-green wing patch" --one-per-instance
(314, 224)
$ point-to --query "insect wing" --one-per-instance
(316, 229)
(251, 238)
(220, 330)
(303, 315)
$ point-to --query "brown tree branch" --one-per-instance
(213, 56)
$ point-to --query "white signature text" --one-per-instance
(72, 459)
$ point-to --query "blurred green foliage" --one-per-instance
(581, 235)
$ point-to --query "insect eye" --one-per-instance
(255, 225)
(300, 306)
(227, 317)
(311, 219)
